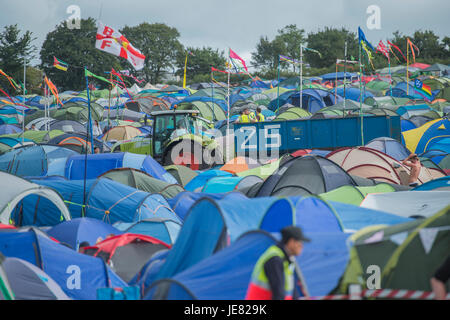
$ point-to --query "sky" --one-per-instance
(235, 24)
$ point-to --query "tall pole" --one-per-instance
(184, 76)
(407, 63)
(345, 73)
(389, 66)
(228, 112)
(24, 82)
(278, 84)
(360, 96)
(301, 76)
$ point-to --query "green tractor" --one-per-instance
(178, 137)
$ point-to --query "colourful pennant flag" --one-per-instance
(362, 38)
(53, 89)
(10, 79)
(58, 64)
(397, 48)
(288, 59)
(412, 46)
(238, 62)
(313, 50)
(114, 42)
(87, 73)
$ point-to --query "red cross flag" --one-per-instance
(114, 42)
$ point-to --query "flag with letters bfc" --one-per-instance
(114, 42)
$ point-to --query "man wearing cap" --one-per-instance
(273, 274)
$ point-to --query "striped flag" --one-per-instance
(412, 46)
(58, 64)
(288, 59)
(383, 49)
(423, 89)
(238, 62)
(391, 45)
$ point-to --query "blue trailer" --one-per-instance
(278, 137)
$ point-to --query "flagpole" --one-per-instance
(24, 82)
(345, 72)
(278, 84)
(89, 112)
(390, 75)
(301, 76)
(184, 77)
(360, 96)
(335, 84)
(109, 98)
(228, 110)
(407, 63)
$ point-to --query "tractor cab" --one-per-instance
(168, 125)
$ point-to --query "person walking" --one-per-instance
(273, 275)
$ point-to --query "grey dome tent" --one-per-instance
(310, 174)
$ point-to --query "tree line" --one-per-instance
(166, 54)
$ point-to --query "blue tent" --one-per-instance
(440, 184)
(352, 93)
(407, 125)
(9, 128)
(312, 99)
(259, 84)
(223, 276)
(226, 274)
(33, 160)
(200, 180)
(78, 230)
(228, 184)
(209, 227)
(98, 164)
(399, 91)
(106, 200)
(78, 275)
(165, 230)
(339, 75)
(389, 146)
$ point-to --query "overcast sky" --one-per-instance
(236, 24)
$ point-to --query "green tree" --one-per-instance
(76, 47)
(291, 38)
(330, 42)
(160, 45)
(13, 49)
(267, 53)
(428, 44)
(199, 63)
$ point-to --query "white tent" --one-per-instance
(408, 203)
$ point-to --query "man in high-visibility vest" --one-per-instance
(246, 116)
(273, 274)
(259, 115)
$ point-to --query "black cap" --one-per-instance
(293, 232)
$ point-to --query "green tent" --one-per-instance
(6, 292)
(142, 181)
(181, 173)
(354, 195)
(292, 113)
(407, 254)
(36, 136)
(263, 171)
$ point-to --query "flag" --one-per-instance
(214, 69)
(288, 59)
(87, 73)
(237, 61)
(114, 42)
(423, 89)
(58, 64)
(368, 52)
(397, 48)
(383, 49)
(10, 79)
(52, 89)
(362, 39)
(412, 46)
(313, 50)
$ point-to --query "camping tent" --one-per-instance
(165, 230)
(15, 189)
(310, 174)
(390, 147)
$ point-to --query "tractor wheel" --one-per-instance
(189, 154)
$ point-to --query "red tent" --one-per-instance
(127, 253)
(300, 152)
(419, 65)
(6, 226)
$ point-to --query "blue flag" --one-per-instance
(362, 37)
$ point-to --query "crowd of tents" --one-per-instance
(123, 220)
